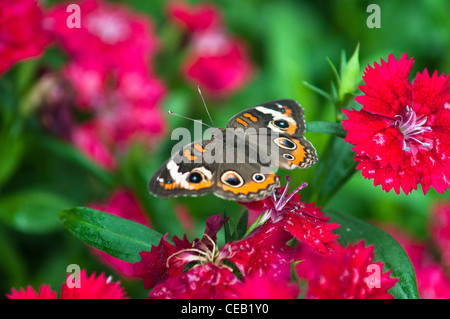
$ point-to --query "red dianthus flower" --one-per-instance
(91, 287)
(302, 220)
(401, 134)
(347, 274)
(211, 274)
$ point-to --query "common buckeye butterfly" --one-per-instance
(191, 173)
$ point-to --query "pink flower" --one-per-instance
(45, 292)
(347, 274)
(440, 229)
(109, 35)
(218, 62)
(123, 109)
(89, 288)
(99, 89)
(203, 282)
(116, 91)
(401, 136)
(122, 203)
(194, 18)
(302, 220)
(210, 273)
(93, 287)
(87, 139)
(21, 32)
(433, 281)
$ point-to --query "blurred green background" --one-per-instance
(289, 43)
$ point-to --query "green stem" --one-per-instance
(326, 128)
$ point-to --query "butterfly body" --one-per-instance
(237, 163)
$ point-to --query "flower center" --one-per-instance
(202, 254)
(411, 126)
(279, 202)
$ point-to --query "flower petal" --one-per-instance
(387, 89)
(349, 273)
(201, 282)
(374, 136)
(264, 287)
(93, 287)
(430, 94)
(45, 292)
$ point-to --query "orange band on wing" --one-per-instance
(251, 117)
(251, 186)
(168, 186)
(189, 156)
(292, 128)
(202, 184)
(199, 148)
(241, 121)
(287, 111)
(292, 124)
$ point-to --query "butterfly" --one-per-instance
(273, 130)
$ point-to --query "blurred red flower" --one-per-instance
(216, 60)
(401, 135)
(86, 137)
(433, 281)
(90, 288)
(21, 32)
(440, 229)
(196, 18)
(121, 203)
(124, 105)
(110, 71)
(45, 292)
(110, 35)
(347, 274)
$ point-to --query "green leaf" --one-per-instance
(241, 226)
(32, 211)
(12, 263)
(335, 72)
(326, 128)
(318, 90)
(387, 250)
(11, 150)
(349, 77)
(228, 232)
(118, 237)
(26, 71)
(334, 169)
(255, 224)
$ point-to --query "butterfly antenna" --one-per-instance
(188, 118)
(204, 103)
